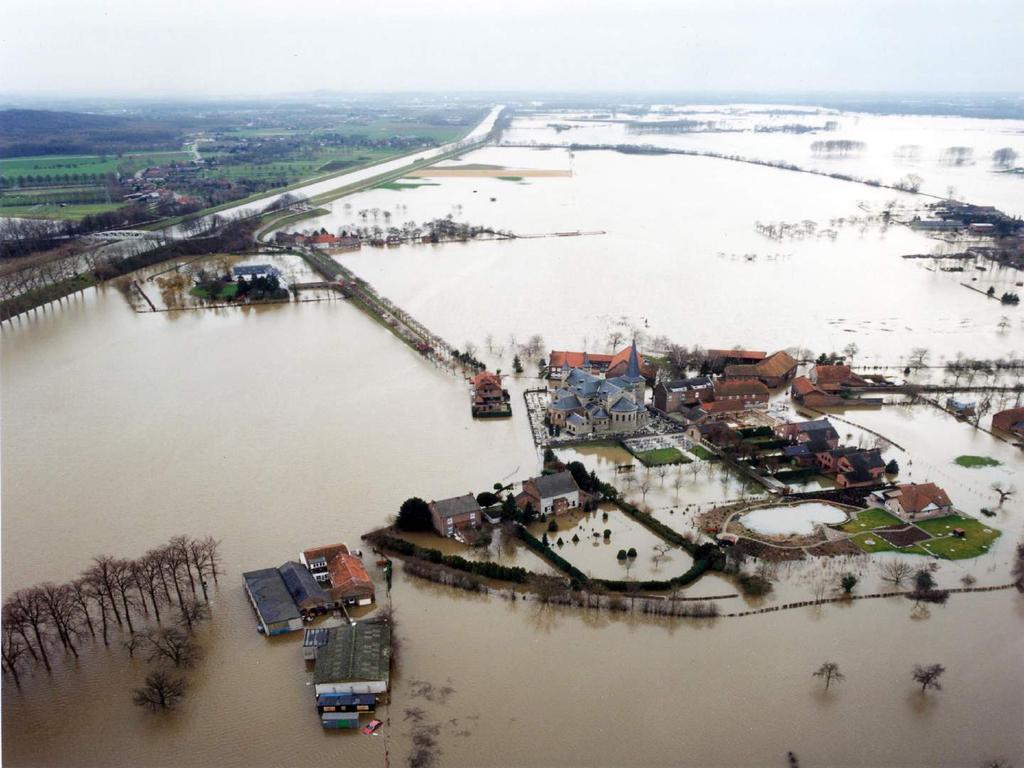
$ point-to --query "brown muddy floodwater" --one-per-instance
(283, 427)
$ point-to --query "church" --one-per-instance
(586, 403)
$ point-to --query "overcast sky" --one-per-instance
(227, 47)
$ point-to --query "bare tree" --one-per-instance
(80, 596)
(150, 570)
(161, 691)
(212, 545)
(63, 613)
(199, 553)
(1018, 567)
(918, 357)
(660, 553)
(896, 571)
(1003, 491)
(928, 676)
(173, 645)
(192, 612)
(97, 593)
(29, 612)
(645, 486)
(829, 672)
(124, 580)
(102, 574)
(14, 648)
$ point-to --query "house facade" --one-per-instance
(805, 392)
(739, 394)
(449, 515)
(487, 398)
(835, 378)
(550, 494)
(671, 396)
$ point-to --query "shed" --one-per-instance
(305, 592)
(355, 659)
(339, 719)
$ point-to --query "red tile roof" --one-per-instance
(575, 359)
(914, 497)
(738, 354)
(739, 387)
(348, 573)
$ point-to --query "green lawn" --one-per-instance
(702, 453)
(70, 212)
(661, 456)
(227, 292)
(878, 544)
(976, 461)
(978, 539)
(869, 519)
(56, 166)
(510, 178)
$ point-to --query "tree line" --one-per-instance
(112, 594)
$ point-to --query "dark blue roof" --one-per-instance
(273, 603)
(301, 585)
(255, 269)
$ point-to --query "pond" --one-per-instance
(800, 518)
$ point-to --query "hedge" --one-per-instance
(480, 568)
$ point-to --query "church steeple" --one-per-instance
(633, 370)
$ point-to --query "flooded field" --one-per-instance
(283, 427)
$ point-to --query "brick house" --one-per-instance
(340, 573)
(449, 515)
(550, 494)
(671, 396)
(835, 378)
(742, 393)
(488, 398)
(718, 359)
(804, 392)
(773, 371)
(1010, 420)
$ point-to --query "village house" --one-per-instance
(1010, 420)
(488, 399)
(806, 431)
(773, 371)
(804, 392)
(340, 573)
(718, 359)
(671, 396)
(254, 271)
(609, 366)
(450, 515)
(588, 404)
(835, 378)
(852, 467)
(550, 494)
(737, 395)
(914, 501)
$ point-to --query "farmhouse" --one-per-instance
(835, 378)
(773, 371)
(449, 515)
(488, 399)
(914, 501)
(804, 392)
(340, 573)
(1011, 420)
(737, 394)
(805, 431)
(718, 359)
(550, 494)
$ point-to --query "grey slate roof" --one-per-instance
(273, 602)
(625, 405)
(301, 585)
(558, 484)
(358, 652)
(567, 403)
(696, 382)
(255, 269)
(457, 505)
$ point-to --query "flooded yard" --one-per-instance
(797, 519)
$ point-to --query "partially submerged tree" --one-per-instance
(896, 571)
(173, 645)
(848, 582)
(928, 676)
(829, 672)
(161, 692)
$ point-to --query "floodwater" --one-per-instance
(799, 518)
(282, 427)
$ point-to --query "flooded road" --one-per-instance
(283, 427)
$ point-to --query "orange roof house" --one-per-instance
(773, 371)
(915, 501)
(342, 574)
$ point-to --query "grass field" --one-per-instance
(878, 544)
(660, 456)
(869, 519)
(976, 461)
(57, 166)
(226, 292)
(702, 453)
(400, 185)
(70, 212)
(977, 540)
